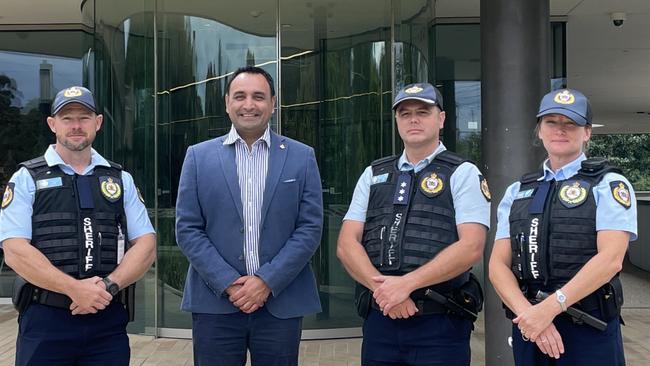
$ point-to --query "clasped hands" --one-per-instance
(248, 293)
(535, 324)
(392, 294)
(89, 296)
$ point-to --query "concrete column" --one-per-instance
(515, 74)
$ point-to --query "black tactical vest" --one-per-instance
(411, 217)
(553, 226)
(78, 221)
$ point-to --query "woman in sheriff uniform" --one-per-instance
(561, 238)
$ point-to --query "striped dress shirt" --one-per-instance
(252, 165)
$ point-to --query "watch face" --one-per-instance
(111, 286)
(113, 289)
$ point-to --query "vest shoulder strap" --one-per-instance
(35, 163)
(115, 165)
(384, 164)
(34, 166)
(531, 177)
(597, 167)
(451, 158)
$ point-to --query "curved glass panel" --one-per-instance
(336, 97)
(195, 56)
(124, 90)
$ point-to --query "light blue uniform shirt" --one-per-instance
(610, 215)
(469, 203)
(16, 219)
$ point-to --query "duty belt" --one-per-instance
(55, 299)
(425, 307)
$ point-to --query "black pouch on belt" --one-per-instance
(470, 295)
(21, 295)
(362, 299)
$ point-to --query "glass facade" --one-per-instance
(33, 67)
(158, 69)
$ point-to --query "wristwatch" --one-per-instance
(560, 297)
(111, 286)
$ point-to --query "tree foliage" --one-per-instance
(631, 152)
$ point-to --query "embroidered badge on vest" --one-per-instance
(110, 188)
(8, 196)
(485, 189)
(573, 193)
(621, 193)
(431, 185)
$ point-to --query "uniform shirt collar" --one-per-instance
(52, 158)
(233, 136)
(403, 163)
(565, 172)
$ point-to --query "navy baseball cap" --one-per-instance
(423, 92)
(73, 94)
(567, 102)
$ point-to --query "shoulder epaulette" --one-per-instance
(451, 158)
(34, 163)
(532, 176)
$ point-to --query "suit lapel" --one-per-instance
(277, 157)
(229, 166)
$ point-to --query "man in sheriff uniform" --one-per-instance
(415, 227)
(76, 232)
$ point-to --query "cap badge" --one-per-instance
(621, 193)
(413, 90)
(72, 92)
(564, 97)
(111, 188)
(573, 194)
(432, 185)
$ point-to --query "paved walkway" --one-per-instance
(149, 351)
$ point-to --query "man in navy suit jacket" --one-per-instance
(249, 218)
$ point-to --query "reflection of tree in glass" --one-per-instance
(20, 139)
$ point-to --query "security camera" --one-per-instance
(617, 19)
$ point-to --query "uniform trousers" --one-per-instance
(583, 345)
(431, 340)
(53, 336)
(223, 339)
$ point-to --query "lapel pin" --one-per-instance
(282, 146)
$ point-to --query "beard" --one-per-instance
(75, 146)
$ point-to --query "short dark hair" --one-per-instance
(251, 70)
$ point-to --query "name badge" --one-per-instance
(524, 194)
(49, 183)
(379, 178)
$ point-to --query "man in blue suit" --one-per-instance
(249, 218)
